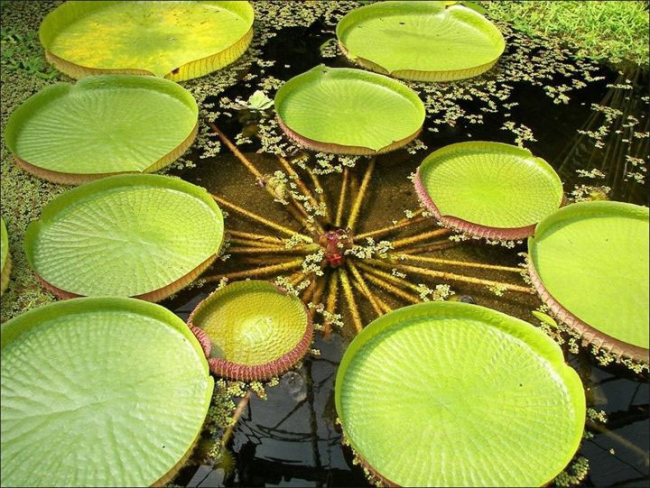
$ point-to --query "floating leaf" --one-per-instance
(99, 392)
(143, 236)
(589, 263)
(259, 101)
(252, 330)
(545, 318)
(426, 41)
(175, 40)
(488, 189)
(5, 260)
(348, 111)
(452, 394)
(102, 125)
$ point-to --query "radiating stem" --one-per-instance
(349, 297)
(235, 150)
(389, 277)
(368, 294)
(390, 288)
(295, 177)
(330, 306)
(364, 287)
(318, 294)
(309, 291)
(452, 262)
(409, 241)
(255, 237)
(320, 194)
(259, 219)
(263, 271)
(241, 406)
(356, 207)
(249, 243)
(341, 205)
(272, 250)
(433, 247)
(416, 219)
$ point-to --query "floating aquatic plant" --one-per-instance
(175, 40)
(425, 41)
(143, 236)
(488, 189)
(121, 383)
(348, 111)
(589, 263)
(416, 387)
(252, 330)
(102, 125)
(5, 260)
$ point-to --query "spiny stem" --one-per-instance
(235, 150)
(356, 207)
(364, 288)
(254, 259)
(389, 277)
(349, 297)
(366, 293)
(390, 288)
(296, 278)
(309, 291)
(452, 262)
(330, 307)
(408, 241)
(406, 222)
(250, 243)
(435, 246)
(341, 205)
(320, 193)
(263, 271)
(272, 250)
(453, 277)
(259, 219)
(235, 419)
(318, 294)
(255, 237)
(295, 177)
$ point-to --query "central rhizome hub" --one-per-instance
(335, 241)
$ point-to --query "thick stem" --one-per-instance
(358, 202)
(349, 297)
(263, 271)
(320, 193)
(318, 294)
(272, 250)
(330, 307)
(406, 222)
(364, 288)
(341, 205)
(239, 411)
(295, 177)
(409, 241)
(235, 150)
(433, 247)
(385, 285)
(255, 237)
(385, 308)
(389, 277)
(251, 243)
(452, 262)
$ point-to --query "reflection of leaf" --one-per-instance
(259, 101)
(547, 319)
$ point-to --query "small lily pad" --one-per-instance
(425, 41)
(143, 236)
(589, 263)
(348, 111)
(5, 260)
(99, 392)
(102, 125)
(452, 394)
(252, 330)
(175, 40)
(488, 189)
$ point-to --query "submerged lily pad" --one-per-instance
(175, 40)
(252, 330)
(589, 263)
(102, 125)
(5, 260)
(452, 394)
(425, 41)
(99, 392)
(348, 111)
(488, 189)
(143, 236)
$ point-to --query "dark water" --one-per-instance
(291, 439)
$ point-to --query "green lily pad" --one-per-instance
(589, 263)
(348, 111)
(252, 330)
(102, 125)
(5, 260)
(452, 394)
(175, 40)
(99, 392)
(143, 236)
(488, 189)
(425, 41)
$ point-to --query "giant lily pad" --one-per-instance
(488, 189)
(426, 41)
(5, 260)
(452, 394)
(99, 392)
(102, 125)
(348, 111)
(143, 236)
(175, 40)
(589, 263)
(252, 330)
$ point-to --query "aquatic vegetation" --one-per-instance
(5, 259)
(124, 386)
(179, 41)
(102, 125)
(488, 189)
(348, 111)
(425, 41)
(252, 330)
(143, 236)
(589, 263)
(606, 31)
(416, 386)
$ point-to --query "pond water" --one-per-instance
(291, 438)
